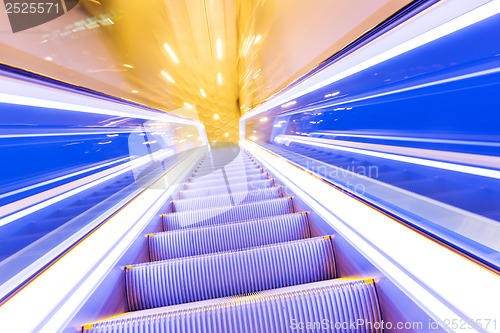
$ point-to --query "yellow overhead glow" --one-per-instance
(219, 48)
(226, 135)
(189, 106)
(248, 46)
(144, 53)
(169, 50)
(257, 38)
(216, 116)
(167, 76)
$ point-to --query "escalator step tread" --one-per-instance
(227, 199)
(198, 183)
(229, 166)
(229, 163)
(217, 174)
(220, 238)
(227, 214)
(198, 278)
(338, 301)
(218, 190)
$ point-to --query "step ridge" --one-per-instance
(232, 174)
(234, 187)
(228, 237)
(226, 199)
(231, 168)
(227, 214)
(199, 184)
(338, 301)
(227, 166)
(191, 279)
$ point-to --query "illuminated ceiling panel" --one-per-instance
(157, 53)
(180, 39)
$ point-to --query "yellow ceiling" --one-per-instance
(118, 47)
(281, 40)
(140, 35)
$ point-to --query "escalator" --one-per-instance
(236, 256)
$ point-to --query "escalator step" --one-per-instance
(200, 183)
(232, 166)
(220, 190)
(227, 214)
(336, 302)
(226, 161)
(220, 238)
(227, 168)
(233, 174)
(230, 159)
(203, 277)
(227, 200)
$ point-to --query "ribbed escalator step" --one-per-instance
(229, 167)
(227, 200)
(222, 160)
(337, 302)
(198, 278)
(227, 214)
(221, 190)
(220, 238)
(219, 174)
(200, 183)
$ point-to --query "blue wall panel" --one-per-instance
(437, 102)
(63, 171)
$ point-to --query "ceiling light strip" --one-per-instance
(172, 54)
